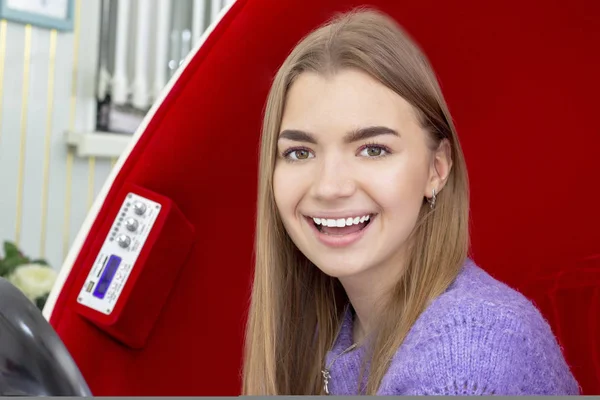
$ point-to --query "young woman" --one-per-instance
(362, 281)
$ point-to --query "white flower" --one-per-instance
(33, 280)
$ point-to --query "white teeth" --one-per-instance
(341, 222)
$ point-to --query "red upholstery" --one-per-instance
(521, 78)
(569, 297)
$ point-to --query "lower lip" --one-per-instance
(342, 240)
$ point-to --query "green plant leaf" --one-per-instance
(11, 250)
(9, 265)
(41, 301)
(14, 258)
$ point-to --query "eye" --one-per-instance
(373, 151)
(297, 154)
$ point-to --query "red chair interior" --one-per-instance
(521, 79)
(569, 297)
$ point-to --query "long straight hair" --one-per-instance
(295, 309)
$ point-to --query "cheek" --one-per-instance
(399, 188)
(279, 190)
(287, 190)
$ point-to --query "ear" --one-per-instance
(439, 170)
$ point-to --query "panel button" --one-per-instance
(124, 241)
(139, 208)
(131, 224)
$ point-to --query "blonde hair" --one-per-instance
(295, 309)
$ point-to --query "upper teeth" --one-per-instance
(341, 222)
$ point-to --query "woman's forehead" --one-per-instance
(343, 102)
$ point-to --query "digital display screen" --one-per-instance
(107, 276)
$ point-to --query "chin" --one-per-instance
(340, 269)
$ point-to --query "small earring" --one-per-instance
(432, 200)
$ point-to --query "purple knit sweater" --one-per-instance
(478, 338)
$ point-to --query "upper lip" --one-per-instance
(338, 214)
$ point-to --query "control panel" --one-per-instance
(118, 254)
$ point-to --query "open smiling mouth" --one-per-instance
(342, 226)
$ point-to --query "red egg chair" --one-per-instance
(521, 79)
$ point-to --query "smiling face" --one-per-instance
(354, 165)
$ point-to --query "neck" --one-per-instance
(364, 302)
(367, 292)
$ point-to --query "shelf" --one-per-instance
(98, 144)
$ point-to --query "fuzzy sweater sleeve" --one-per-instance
(481, 348)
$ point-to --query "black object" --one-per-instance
(33, 359)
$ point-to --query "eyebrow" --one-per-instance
(353, 136)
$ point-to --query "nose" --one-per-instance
(334, 180)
